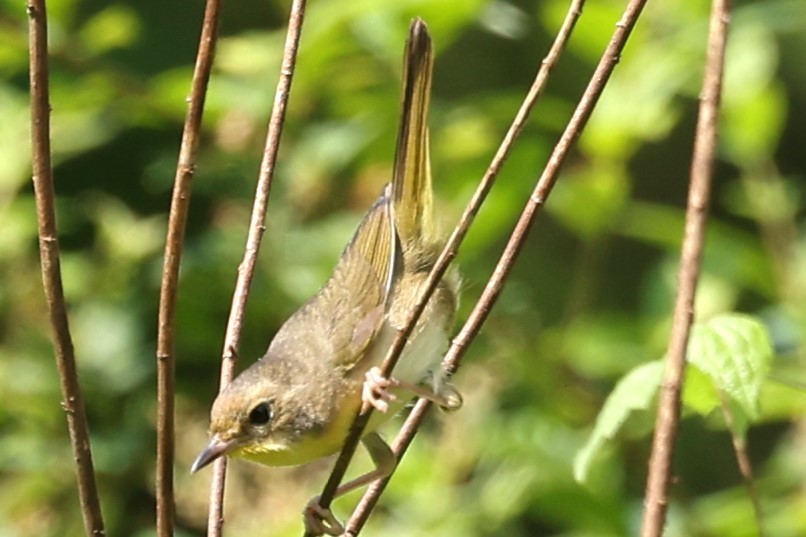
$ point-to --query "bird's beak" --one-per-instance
(214, 449)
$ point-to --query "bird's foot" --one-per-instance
(376, 390)
(320, 520)
(450, 398)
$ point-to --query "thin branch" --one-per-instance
(177, 219)
(745, 466)
(494, 286)
(73, 402)
(246, 270)
(660, 462)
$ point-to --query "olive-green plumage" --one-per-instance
(296, 403)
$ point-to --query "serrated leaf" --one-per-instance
(633, 392)
(735, 352)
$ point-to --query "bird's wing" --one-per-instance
(362, 284)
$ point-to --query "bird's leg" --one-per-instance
(320, 520)
(376, 392)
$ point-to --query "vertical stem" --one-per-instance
(246, 270)
(660, 463)
(73, 402)
(177, 219)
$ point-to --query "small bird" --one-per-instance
(296, 403)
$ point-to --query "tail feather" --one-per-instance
(411, 181)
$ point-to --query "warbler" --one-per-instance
(297, 402)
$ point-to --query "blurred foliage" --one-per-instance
(590, 299)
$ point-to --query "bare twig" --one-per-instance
(73, 402)
(177, 219)
(660, 462)
(493, 289)
(246, 270)
(745, 466)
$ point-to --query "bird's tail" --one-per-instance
(411, 181)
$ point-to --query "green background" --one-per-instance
(590, 298)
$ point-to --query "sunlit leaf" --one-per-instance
(735, 352)
(633, 392)
(699, 392)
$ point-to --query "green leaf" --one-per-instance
(633, 392)
(699, 392)
(735, 352)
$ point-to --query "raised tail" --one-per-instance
(411, 181)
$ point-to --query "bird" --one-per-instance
(297, 402)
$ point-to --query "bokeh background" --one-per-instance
(590, 298)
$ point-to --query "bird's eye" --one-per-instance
(261, 414)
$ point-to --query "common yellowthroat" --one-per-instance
(297, 402)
